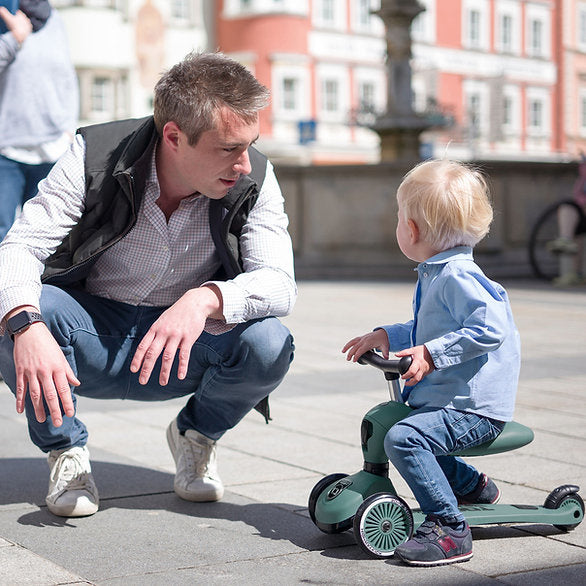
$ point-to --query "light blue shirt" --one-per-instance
(465, 321)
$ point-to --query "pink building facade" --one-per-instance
(506, 77)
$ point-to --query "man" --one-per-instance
(38, 102)
(130, 232)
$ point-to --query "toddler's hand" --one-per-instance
(421, 366)
(356, 347)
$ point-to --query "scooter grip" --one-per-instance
(400, 366)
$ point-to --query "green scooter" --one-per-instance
(367, 501)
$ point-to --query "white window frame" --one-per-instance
(339, 74)
(582, 111)
(373, 24)
(538, 97)
(338, 19)
(238, 8)
(479, 90)
(540, 48)
(284, 70)
(423, 27)
(512, 94)
(581, 26)
(376, 78)
(480, 8)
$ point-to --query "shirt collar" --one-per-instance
(457, 253)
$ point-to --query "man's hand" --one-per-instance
(18, 24)
(356, 347)
(41, 368)
(178, 328)
(421, 366)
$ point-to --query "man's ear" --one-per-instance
(172, 135)
(413, 231)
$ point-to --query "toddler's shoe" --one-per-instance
(436, 544)
(485, 493)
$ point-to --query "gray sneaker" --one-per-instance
(72, 490)
(197, 477)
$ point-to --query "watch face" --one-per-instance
(19, 321)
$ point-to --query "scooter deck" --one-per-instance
(501, 513)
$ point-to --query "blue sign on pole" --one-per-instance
(306, 131)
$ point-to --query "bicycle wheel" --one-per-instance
(553, 248)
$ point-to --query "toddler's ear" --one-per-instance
(413, 231)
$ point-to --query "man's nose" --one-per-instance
(243, 165)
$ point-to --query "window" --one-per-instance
(538, 115)
(535, 114)
(474, 28)
(423, 25)
(536, 38)
(507, 111)
(538, 31)
(329, 14)
(367, 96)
(474, 117)
(581, 24)
(506, 33)
(510, 116)
(583, 113)
(475, 23)
(181, 10)
(102, 95)
(290, 91)
(330, 99)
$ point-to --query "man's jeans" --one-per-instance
(417, 448)
(18, 183)
(228, 374)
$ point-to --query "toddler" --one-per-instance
(466, 356)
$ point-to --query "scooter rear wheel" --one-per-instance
(382, 522)
(566, 497)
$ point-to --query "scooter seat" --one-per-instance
(514, 435)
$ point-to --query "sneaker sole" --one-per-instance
(84, 509)
(453, 560)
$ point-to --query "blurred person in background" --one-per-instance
(39, 102)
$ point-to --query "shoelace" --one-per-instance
(67, 467)
(200, 456)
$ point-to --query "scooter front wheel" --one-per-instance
(314, 495)
(382, 522)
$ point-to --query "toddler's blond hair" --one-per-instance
(448, 201)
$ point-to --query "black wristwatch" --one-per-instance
(21, 322)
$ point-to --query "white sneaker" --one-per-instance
(72, 490)
(197, 477)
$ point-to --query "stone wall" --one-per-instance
(343, 218)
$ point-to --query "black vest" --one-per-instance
(117, 163)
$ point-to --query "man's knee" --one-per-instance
(268, 345)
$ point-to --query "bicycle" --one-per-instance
(556, 242)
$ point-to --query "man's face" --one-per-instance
(220, 157)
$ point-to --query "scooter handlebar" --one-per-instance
(400, 366)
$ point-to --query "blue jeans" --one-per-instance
(418, 447)
(18, 183)
(228, 374)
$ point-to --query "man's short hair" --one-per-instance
(448, 201)
(193, 92)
